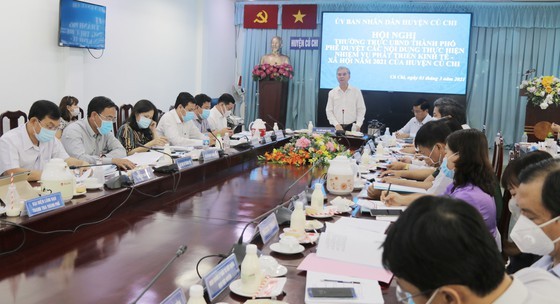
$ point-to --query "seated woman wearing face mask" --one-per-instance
(466, 159)
(430, 141)
(140, 129)
(69, 112)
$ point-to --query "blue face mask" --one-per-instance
(445, 170)
(45, 135)
(188, 116)
(144, 122)
(106, 126)
(205, 114)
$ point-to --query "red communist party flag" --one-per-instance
(299, 16)
(260, 16)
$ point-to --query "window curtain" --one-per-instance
(506, 40)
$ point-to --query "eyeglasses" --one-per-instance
(108, 118)
(417, 111)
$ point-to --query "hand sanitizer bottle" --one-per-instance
(297, 220)
(317, 198)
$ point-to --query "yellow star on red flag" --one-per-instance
(299, 16)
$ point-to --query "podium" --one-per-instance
(273, 102)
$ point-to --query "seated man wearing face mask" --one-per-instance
(537, 230)
(441, 252)
(30, 146)
(430, 141)
(203, 104)
(177, 125)
(219, 114)
(92, 139)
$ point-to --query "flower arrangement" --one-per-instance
(542, 91)
(280, 72)
(305, 149)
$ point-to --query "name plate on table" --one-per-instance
(279, 134)
(176, 297)
(44, 204)
(219, 278)
(255, 141)
(184, 162)
(268, 228)
(323, 130)
(267, 139)
(210, 154)
(142, 175)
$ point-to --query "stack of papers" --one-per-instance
(350, 247)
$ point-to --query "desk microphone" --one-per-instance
(172, 168)
(86, 166)
(179, 252)
(283, 215)
(221, 151)
(117, 182)
(279, 123)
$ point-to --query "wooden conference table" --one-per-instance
(112, 261)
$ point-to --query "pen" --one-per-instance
(344, 282)
(388, 189)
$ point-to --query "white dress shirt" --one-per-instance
(17, 151)
(413, 125)
(546, 263)
(216, 119)
(81, 142)
(345, 107)
(531, 285)
(177, 132)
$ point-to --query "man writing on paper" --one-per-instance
(92, 139)
(178, 126)
(345, 105)
(30, 146)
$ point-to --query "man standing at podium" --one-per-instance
(345, 105)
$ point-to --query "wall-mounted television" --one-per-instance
(81, 24)
(397, 52)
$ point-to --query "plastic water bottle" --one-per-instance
(387, 132)
(205, 142)
(524, 138)
(196, 295)
(275, 127)
(251, 275)
(310, 127)
(219, 144)
(226, 141)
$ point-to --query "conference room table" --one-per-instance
(136, 231)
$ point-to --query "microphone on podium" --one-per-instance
(179, 252)
(283, 215)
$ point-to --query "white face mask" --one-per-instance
(76, 112)
(530, 238)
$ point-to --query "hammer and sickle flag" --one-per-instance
(301, 16)
(260, 16)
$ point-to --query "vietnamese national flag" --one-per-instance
(299, 16)
(260, 16)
